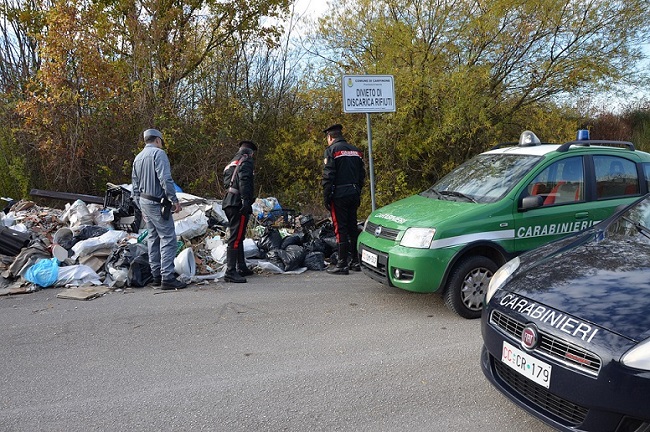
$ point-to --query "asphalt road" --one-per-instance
(309, 352)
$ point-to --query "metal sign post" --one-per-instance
(368, 94)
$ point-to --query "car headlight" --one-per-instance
(419, 238)
(501, 276)
(638, 357)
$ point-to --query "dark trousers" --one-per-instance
(238, 223)
(344, 218)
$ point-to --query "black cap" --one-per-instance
(336, 127)
(248, 144)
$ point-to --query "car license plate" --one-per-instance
(369, 258)
(527, 365)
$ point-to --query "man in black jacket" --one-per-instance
(238, 206)
(343, 178)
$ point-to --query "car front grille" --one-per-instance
(379, 273)
(571, 355)
(384, 233)
(571, 413)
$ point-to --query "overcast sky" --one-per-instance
(311, 7)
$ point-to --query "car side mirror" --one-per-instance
(531, 202)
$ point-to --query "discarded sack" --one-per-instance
(315, 261)
(272, 239)
(139, 274)
(44, 272)
(294, 257)
(77, 275)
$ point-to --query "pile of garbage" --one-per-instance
(105, 244)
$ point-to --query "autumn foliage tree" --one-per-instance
(81, 79)
(470, 74)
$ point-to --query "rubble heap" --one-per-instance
(95, 245)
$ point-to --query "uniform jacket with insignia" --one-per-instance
(344, 173)
(240, 187)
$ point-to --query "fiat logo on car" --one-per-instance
(529, 337)
(378, 231)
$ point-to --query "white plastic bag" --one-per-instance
(219, 253)
(104, 218)
(192, 226)
(78, 214)
(77, 275)
(107, 240)
(250, 248)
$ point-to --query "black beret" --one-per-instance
(248, 144)
(336, 127)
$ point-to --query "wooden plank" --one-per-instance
(66, 196)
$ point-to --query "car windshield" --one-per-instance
(485, 178)
(635, 222)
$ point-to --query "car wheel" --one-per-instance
(468, 283)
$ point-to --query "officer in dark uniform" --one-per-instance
(238, 206)
(343, 178)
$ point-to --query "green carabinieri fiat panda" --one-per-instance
(453, 236)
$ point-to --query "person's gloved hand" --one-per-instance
(246, 208)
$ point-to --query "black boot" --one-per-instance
(242, 268)
(231, 265)
(342, 262)
(354, 259)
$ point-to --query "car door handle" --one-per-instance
(582, 215)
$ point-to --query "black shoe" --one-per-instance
(172, 284)
(156, 282)
(338, 270)
(245, 271)
(234, 277)
(355, 266)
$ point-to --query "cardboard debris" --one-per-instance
(18, 288)
(83, 292)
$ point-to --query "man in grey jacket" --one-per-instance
(154, 193)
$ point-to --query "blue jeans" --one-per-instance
(161, 240)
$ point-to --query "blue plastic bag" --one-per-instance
(44, 273)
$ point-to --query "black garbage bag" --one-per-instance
(307, 222)
(326, 230)
(124, 256)
(272, 239)
(293, 239)
(330, 245)
(276, 257)
(318, 245)
(89, 231)
(294, 257)
(139, 272)
(315, 261)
